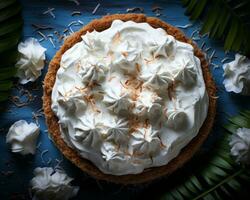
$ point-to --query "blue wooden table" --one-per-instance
(16, 170)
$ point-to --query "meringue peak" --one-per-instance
(145, 141)
(157, 77)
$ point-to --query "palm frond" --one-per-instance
(223, 19)
(215, 175)
(10, 33)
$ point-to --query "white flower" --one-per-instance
(240, 145)
(22, 137)
(237, 75)
(31, 62)
(52, 185)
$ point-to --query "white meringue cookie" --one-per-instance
(52, 185)
(145, 142)
(31, 61)
(237, 75)
(240, 145)
(22, 137)
(140, 66)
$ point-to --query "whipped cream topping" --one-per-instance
(49, 184)
(129, 97)
(23, 137)
(31, 61)
(240, 145)
(237, 75)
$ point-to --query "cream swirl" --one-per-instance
(127, 56)
(163, 48)
(148, 104)
(116, 129)
(115, 159)
(158, 77)
(185, 73)
(93, 44)
(145, 142)
(91, 72)
(73, 102)
(117, 99)
(88, 130)
(137, 113)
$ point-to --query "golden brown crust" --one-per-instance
(148, 174)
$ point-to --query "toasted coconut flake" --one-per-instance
(184, 26)
(76, 13)
(138, 67)
(125, 54)
(117, 38)
(96, 8)
(135, 9)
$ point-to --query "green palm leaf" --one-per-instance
(9, 11)
(4, 4)
(10, 34)
(215, 175)
(223, 19)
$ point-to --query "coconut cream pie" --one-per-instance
(129, 96)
